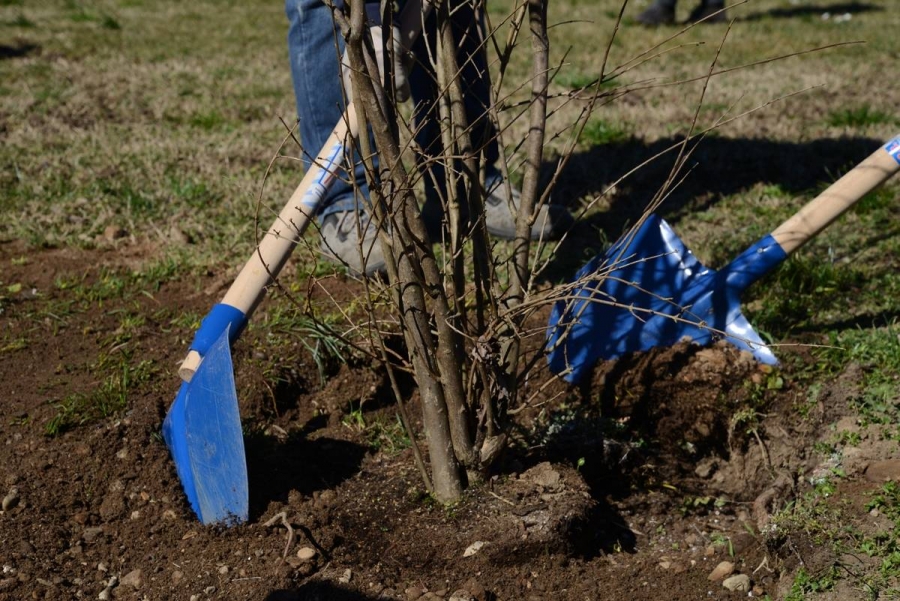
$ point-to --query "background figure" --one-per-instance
(316, 47)
(662, 12)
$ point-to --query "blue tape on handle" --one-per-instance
(893, 148)
(220, 317)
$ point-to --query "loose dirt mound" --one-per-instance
(635, 485)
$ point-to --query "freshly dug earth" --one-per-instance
(636, 485)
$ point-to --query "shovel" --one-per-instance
(203, 427)
(648, 290)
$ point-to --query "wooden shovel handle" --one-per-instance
(818, 213)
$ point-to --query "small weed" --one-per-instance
(207, 121)
(110, 397)
(598, 132)
(859, 117)
(22, 21)
(578, 80)
(805, 584)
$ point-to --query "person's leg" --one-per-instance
(315, 49)
(502, 200)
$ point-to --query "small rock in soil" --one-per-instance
(91, 534)
(462, 595)
(723, 570)
(346, 576)
(114, 232)
(473, 548)
(738, 582)
(306, 553)
(414, 592)
(543, 475)
(134, 579)
(477, 590)
(177, 575)
(11, 499)
(113, 505)
(877, 471)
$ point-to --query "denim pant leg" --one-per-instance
(476, 91)
(315, 69)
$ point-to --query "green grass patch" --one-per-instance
(598, 132)
(106, 400)
(860, 117)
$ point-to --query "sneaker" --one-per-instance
(341, 244)
(500, 209)
(704, 10)
(657, 15)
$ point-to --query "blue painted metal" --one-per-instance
(649, 290)
(203, 433)
(220, 318)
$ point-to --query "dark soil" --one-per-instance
(633, 486)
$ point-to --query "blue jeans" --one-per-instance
(315, 46)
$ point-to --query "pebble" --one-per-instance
(91, 534)
(723, 570)
(346, 576)
(473, 548)
(462, 595)
(177, 575)
(209, 590)
(113, 504)
(134, 579)
(738, 582)
(11, 499)
(114, 232)
(102, 567)
(306, 553)
(195, 597)
(414, 592)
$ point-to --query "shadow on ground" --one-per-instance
(318, 591)
(717, 168)
(18, 50)
(276, 467)
(813, 10)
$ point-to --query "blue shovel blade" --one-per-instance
(649, 290)
(203, 433)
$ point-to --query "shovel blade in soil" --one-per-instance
(649, 290)
(203, 433)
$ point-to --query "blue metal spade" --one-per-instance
(203, 431)
(649, 290)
